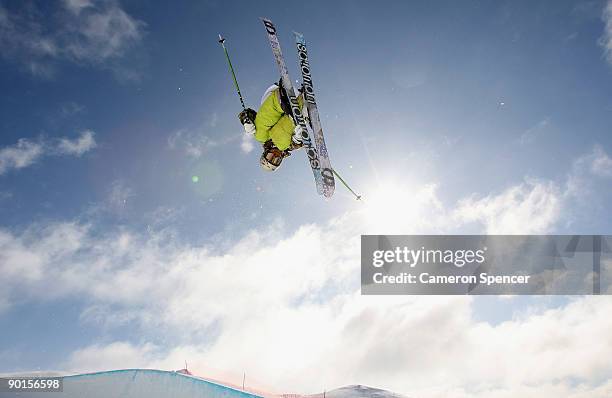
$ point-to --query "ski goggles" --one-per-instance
(274, 156)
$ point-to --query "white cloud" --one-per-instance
(20, 155)
(265, 302)
(595, 163)
(191, 145)
(246, 145)
(531, 133)
(103, 33)
(606, 39)
(90, 32)
(529, 208)
(77, 147)
(26, 152)
(199, 138)
(601, 164)
(117, 355)
(535, 206)
(196, 142)
(76, 6)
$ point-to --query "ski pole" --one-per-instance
(231, 68)
(357, 197)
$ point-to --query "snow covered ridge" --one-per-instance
(352, 391)
(150, 383)
(357, 391)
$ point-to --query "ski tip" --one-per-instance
(221, 39)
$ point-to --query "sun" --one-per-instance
(396, 208)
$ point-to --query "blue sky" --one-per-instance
(449, 117)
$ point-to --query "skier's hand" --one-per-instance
(249, 128)
(297, 134)
(247, 116)
(296, 139)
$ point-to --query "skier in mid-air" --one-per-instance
(273, 126)
(281, 123)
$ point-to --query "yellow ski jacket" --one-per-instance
(272, 123)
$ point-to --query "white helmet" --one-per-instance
(271, 158)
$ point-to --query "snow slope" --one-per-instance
(357, 391)
(138, 383)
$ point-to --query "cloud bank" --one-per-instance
(27, 152)
(22, 154)
(85, 143)
(295, 318)
(84, 32)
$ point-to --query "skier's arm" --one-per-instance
(281, 132)
(269, 115)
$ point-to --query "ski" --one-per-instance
(309, 147)
(313, 112)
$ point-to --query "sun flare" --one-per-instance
(394, 208)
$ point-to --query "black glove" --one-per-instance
(247, 116)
